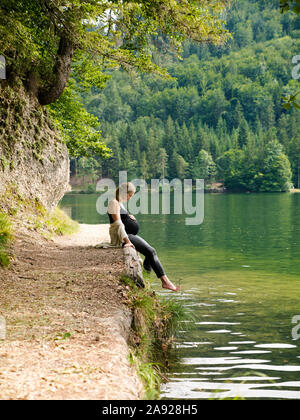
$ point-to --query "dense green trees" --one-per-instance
(204, 166)
(50, 44)
(80, 129)
(276, 169)
(42, 39)
(244, 171)
(218, 116)
(221, 115)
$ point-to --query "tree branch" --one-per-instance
(61, 71)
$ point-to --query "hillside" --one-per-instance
(220, 99)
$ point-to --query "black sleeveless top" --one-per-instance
(131, 226)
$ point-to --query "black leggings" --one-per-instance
(149, 252)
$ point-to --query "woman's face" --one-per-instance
(129, 195)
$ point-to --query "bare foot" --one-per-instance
(167, 284)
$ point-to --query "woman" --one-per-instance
(119, 215)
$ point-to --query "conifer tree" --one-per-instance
(243, 133)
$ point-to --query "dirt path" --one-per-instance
(66, 323)
(88, 235)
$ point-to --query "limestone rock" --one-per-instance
(34, 163)
(133, 267)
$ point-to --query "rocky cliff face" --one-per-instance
(34, 163)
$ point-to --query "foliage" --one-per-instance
(290, 100)
(155, 322)
(231, 167)
(277, 173)
(204, 167)
(60, 223)
(273, 173)
(5, 237)
(294, 6)
(221, 98)
(150, 375)
(47, 41)
(79, 128)
(52, 223)
(101, 33)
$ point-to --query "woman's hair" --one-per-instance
(124, 189)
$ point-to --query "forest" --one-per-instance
(220, 115)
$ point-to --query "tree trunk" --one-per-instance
(61, 71)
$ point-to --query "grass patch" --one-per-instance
(51, 223)
(155, 322)
(5, 238)
(150, 374)
(60, 223)
(34, 216)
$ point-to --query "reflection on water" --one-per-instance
(240, 278)
(240, 358)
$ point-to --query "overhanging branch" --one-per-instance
(61, 71)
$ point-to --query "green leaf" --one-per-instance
(287, 106)
(296, 9)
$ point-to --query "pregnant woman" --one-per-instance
(128, 235)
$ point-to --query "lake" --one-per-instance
(240, 277)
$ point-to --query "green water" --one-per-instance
(240, 277)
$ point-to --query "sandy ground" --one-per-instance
(88, 235)
(67, 322)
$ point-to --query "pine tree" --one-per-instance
(198, 139)
(294, 157)
(268, 117)
(237, 114)
(193, 135)
(113, 165)
(181, 166)
(169, 140)
(243, 133)
(141, 133)
(143, 167)
(204, 166)
(282, 131)
(129, 139)
(276, 169)
(137, 152)
(184, 143)
(172, 165)
(163, 163)
(221, 129)
(153, 155)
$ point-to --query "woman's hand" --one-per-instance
(128, 244)
(132, 217)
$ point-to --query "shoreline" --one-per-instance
(67, 320)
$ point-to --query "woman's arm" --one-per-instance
(114, 210)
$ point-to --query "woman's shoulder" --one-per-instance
(114, 200)
(113, 206)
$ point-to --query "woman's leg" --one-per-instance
(151, 257)
(149, 252)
